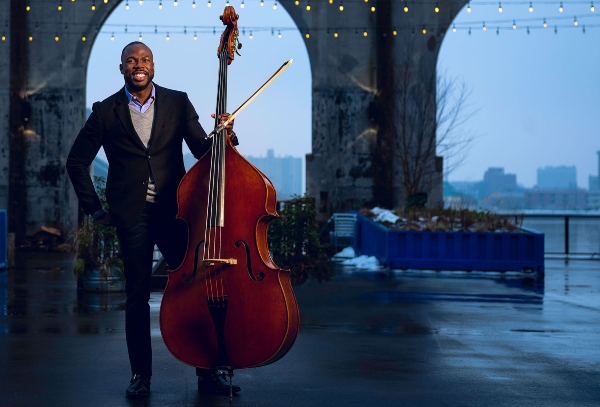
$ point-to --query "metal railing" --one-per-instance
(568, 234)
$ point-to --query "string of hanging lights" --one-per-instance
(339, 4)
(528, 23)
(169, 31)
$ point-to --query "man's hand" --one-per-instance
(105, 220)
(223, 118)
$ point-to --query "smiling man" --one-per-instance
(142, 128)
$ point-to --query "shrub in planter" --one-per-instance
(98, 265)
(294, 241)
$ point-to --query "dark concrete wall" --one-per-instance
(353, 81)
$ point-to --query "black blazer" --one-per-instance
(130, 162)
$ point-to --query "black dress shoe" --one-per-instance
(138, 387)
(215, 382)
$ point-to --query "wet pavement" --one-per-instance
(405, 338)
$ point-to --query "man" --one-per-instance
(142, 128)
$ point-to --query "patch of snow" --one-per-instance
(347, 253)
(384, 215)
(364, 262)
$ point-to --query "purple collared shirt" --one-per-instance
(137, 104)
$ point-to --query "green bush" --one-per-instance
(294, 241)
(96, 245)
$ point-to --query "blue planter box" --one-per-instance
(468, 251)
(3, 239)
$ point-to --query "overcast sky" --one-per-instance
(537, 94)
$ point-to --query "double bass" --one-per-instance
(227, 305)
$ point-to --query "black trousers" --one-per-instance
(137, 244)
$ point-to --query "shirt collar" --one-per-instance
(130, 97)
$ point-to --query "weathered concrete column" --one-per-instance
(359, 87)
(46, 92)
(5, 25)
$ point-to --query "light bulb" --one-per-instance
(195, 36)
(279, 34)
(372, 9)
(575, 23)
(56, 38)
(424, 30)
(112, 37)
(530, 7)
(242, 5)
(395, 32)
(296, 2)
(436, 9)
(365, 34)
(27, 7)
(453, 28)
(168, 38)
(93, 7)
(175, 3)
(83, 38)
(275, 6)
(484, 27)
(307, 35)
(194, 4)
(262, 3)
(560, 8)
(308, 7)
(250, 36)
(592, 8)
(499, 7)
(141, 2)
(140, 37)
(59, 7)
(160, 5)
(514, 25)
(127, 5)
(208, 4)
(335, 34)
(545, 23)
(469, 8)
(30, 38)
(341, 7)
(406, 8)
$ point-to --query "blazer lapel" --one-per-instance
(161, 111)
(122, 109)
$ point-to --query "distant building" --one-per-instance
(575, 198)
(499, 190)
(561, 177)
(593, 183)
(284, 172)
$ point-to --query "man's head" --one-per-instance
(137, 66)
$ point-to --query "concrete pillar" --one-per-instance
(5, 25)
(47, 108)
(357, 94)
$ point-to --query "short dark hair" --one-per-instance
(133, 43)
